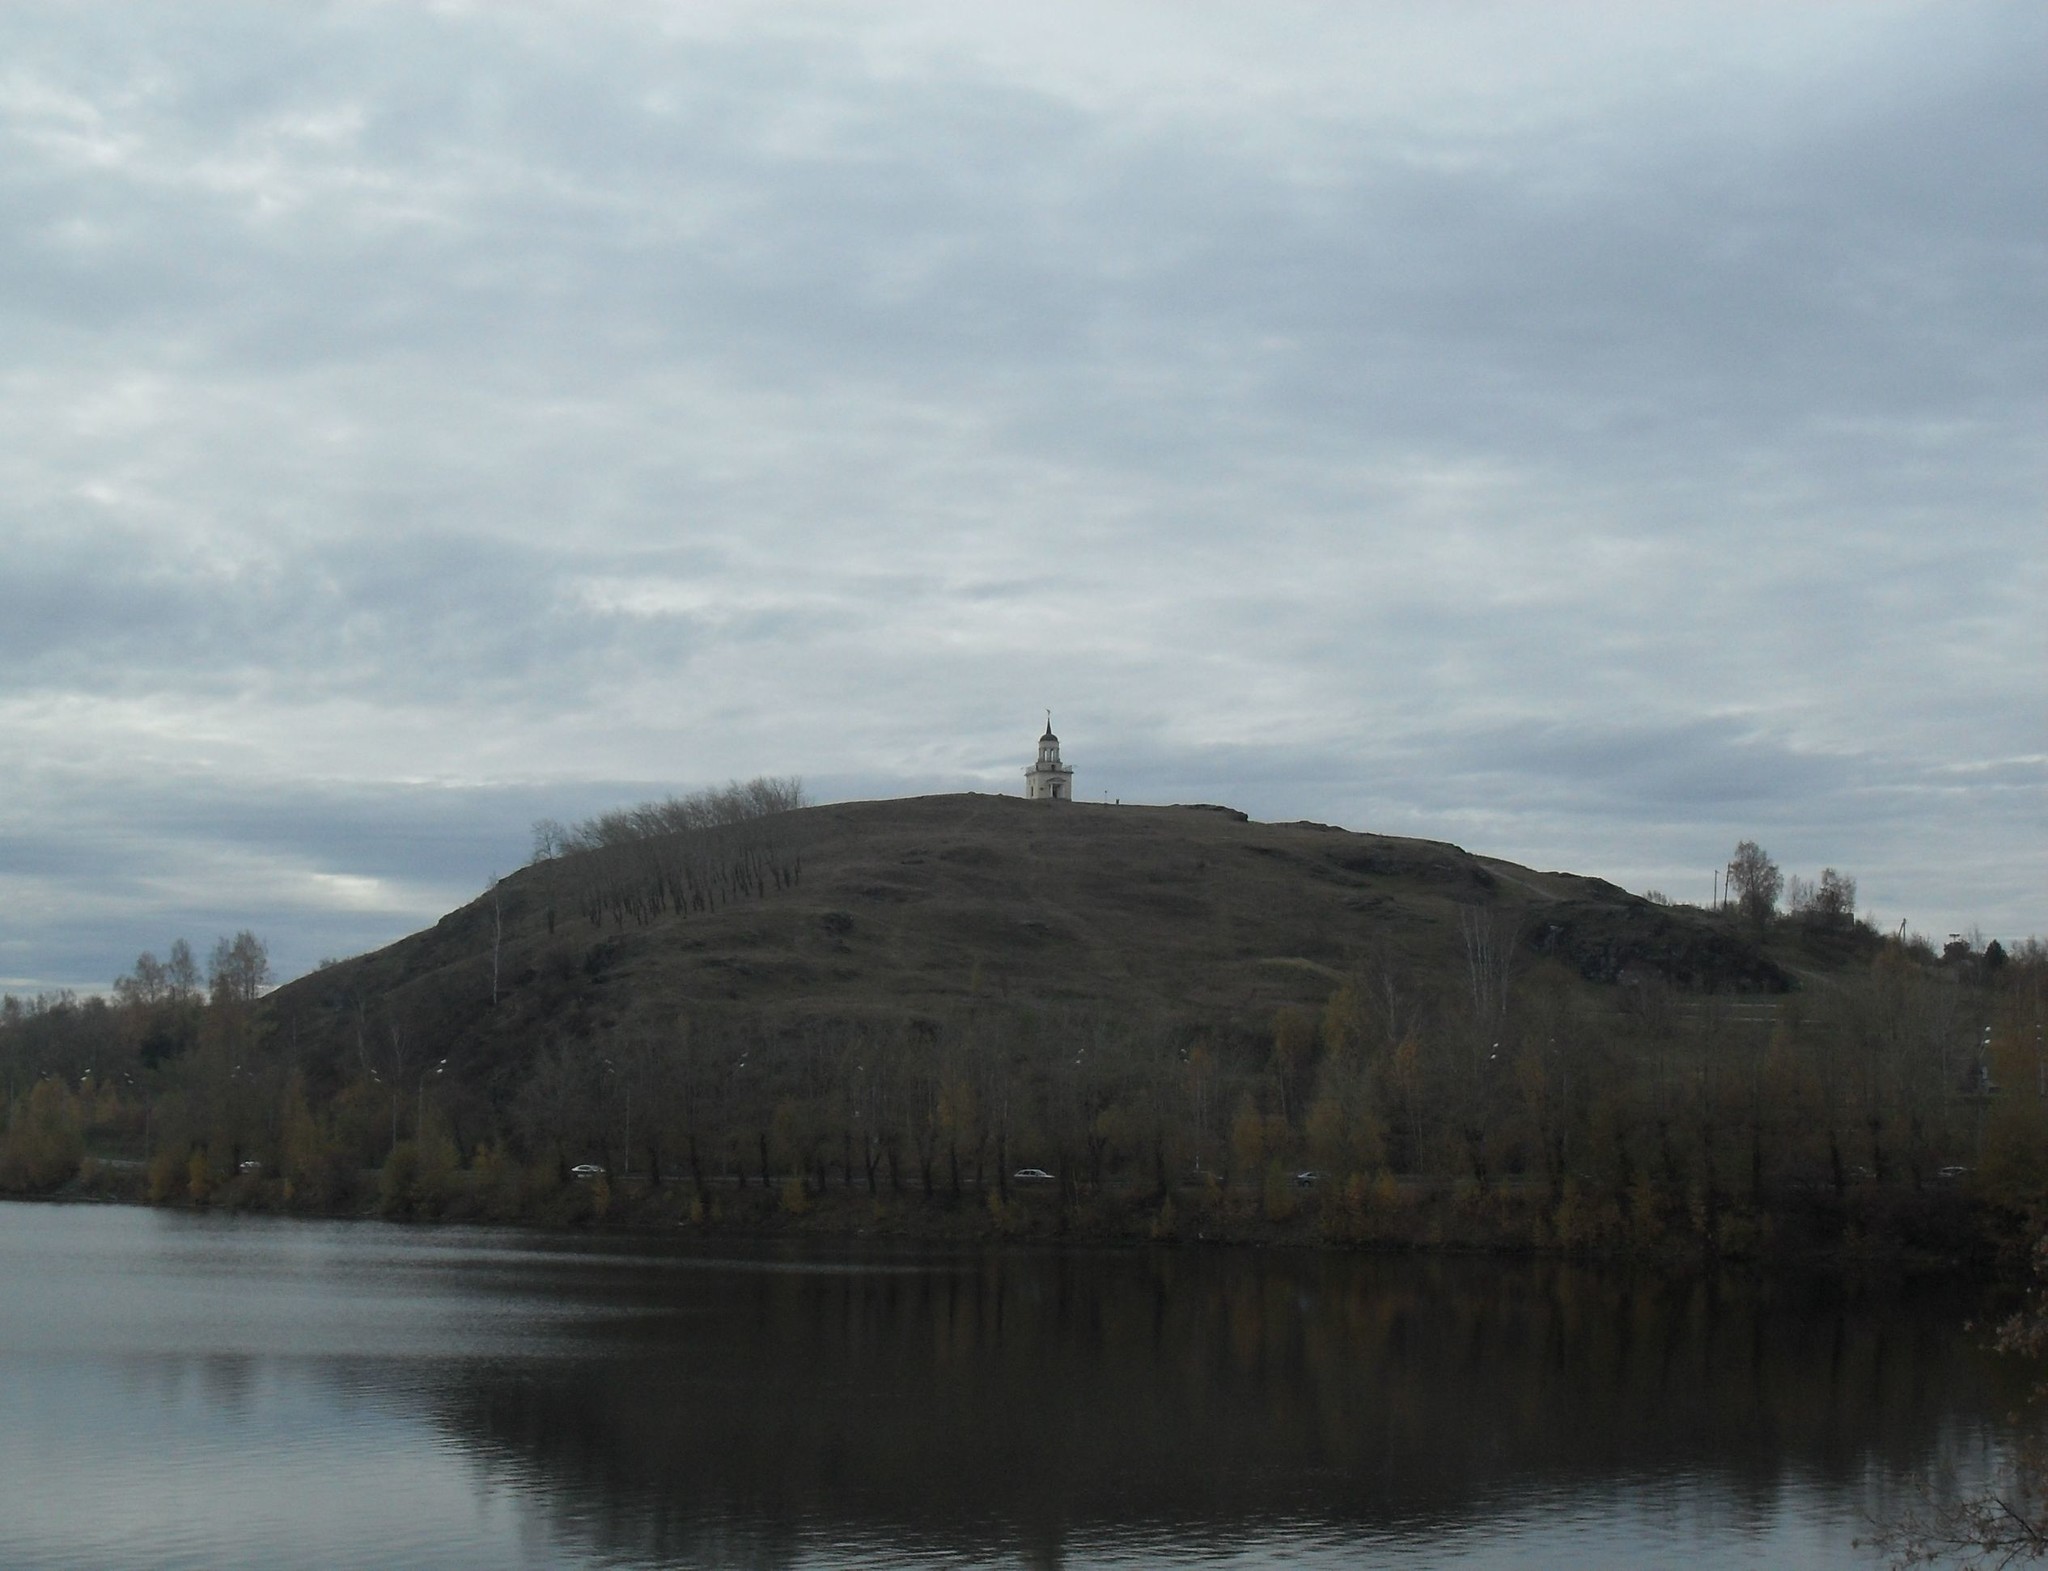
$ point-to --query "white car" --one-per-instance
(1031, 1175)
(586, 1170)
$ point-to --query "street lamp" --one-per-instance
(626, 1086)
(419, 1117)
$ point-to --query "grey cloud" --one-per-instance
(441, 618)
(1702, 768)
(575, 399)
(1419, 306)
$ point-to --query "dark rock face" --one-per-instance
(1603, 942)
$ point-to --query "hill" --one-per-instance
(921, 906)
(931, 981)
(870, 1014)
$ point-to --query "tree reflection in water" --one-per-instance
(1017, 1403)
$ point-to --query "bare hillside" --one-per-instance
(917, 907)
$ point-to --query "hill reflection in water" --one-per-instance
(1026, 1402)
(210, 1392)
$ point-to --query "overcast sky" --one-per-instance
(1590, 434)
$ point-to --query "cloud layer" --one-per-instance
(1592, 437)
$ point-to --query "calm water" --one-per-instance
(180, 1391)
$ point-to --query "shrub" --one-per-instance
(1166, 1225)
(166, 1177)
(397, 1183)
(43, 1144)
(1279, 1198)
(796, 1199)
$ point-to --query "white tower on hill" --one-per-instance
(1048, 780)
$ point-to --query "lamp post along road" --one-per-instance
(419, 1117)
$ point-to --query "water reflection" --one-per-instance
(1043, 1400)
(512, 1400)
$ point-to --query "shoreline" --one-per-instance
(1871, 1229)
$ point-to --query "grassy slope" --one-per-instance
(911, 906)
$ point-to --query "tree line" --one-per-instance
(1498, 1080)
(682, 854)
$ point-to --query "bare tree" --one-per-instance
(497, 934)
(1489, 939)
(1835, 899)
(239, 969)
(386, 1063)
(717, 807)
(145, 985)
(549, 837)
(1754, 883)
(558, 1102)
(181, 973)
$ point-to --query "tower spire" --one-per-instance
(1049, 779)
